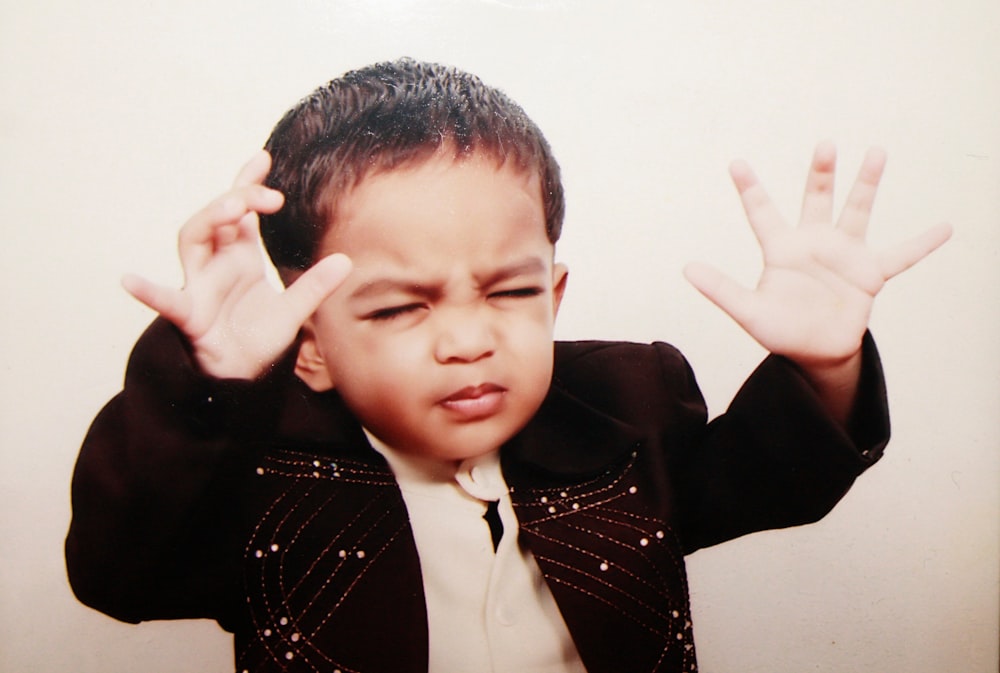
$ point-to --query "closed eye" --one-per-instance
(391, 312)
(519, 292)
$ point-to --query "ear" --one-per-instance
(310, 366)
(560, 274)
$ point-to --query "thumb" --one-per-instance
(317, 283)
(721, 290)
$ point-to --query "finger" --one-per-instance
(304, 296)
(764, 218)
(245, 230)
(197, 240)
(817, 204)
(249, 227)
(903, 256)
(255, 170)
(858, 208)
(170, 303)
(226, 235)
(721, 290)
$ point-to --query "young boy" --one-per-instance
(389, 467)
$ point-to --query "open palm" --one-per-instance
(815, 293)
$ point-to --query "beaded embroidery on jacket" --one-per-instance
(596, 543)
(626, 560)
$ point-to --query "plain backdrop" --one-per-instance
(119, 118)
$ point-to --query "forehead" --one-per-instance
(442, 200)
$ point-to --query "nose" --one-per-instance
(463, 336)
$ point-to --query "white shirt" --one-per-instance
(486, 611)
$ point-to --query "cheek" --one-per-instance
(530, 343)
(375, 359)
(532, 330)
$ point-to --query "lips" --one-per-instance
(475, 402)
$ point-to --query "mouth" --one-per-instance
(475, 402)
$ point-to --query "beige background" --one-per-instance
(119, 118)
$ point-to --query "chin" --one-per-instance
(473, 443)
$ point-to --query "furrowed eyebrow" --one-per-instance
(378, 286)
(525, 267)
(389, 285)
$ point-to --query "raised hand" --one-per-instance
(815, 293)
(237, 321)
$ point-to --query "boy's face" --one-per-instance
(440, 340)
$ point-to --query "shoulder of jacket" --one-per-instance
(575, 354)
(623, 377)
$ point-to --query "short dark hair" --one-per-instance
(381, 117)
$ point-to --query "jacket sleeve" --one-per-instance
(154, 521)
(776, 458)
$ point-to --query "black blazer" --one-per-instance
(261, 505)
